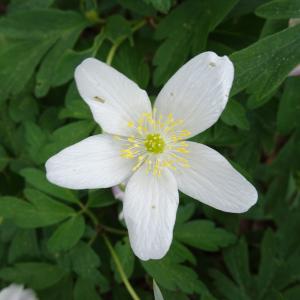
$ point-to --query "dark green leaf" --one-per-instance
(204, 235)
(85, 290)
(67, 234)
(117, 27)
(24, 246)
(264, 65)
(235, 114)
(4, 159)
(160, 5)
(37, 179)
(126, 257)
(37, 275)
(288, 116)
(279, 9)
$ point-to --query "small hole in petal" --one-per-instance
(212, 64)
(153, 206)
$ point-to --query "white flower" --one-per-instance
(118, 192)
(148, 148)
(17, 292)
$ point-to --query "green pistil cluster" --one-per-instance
(154, 143)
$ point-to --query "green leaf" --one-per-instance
(23, 5)
(66, 65)
(70, 59)
(62, 290)
(37, 275)
(288, 115)
(9, 139)
(85, 290)
(236, 259)
(268, 264)
(204, 235)
(24, 246)
(23, 108)
(101, 198)
(43, 202)
(48, 28)
(41, 211)
(117, 27)
(4, 158)
(38, 214)
(126, 257)
(67, 235)
(235, 115)
(279, 9)
(169, 273)
(37, 179)
(263, 66)
(35, 139)
(51, 63)
(67, 135)
(130, 62)
(12, 58)
(292, 293)
(185, 30)
(16, 209)
(138, 7)
(75, 107)
(185, 212)
(174, 276)
(160, 5)
(84, 261)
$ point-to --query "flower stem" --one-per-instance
(113, 50)
(117, 44)
(120, 268)
(113, 230)
(114, 255)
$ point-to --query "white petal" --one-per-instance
(114, 99)
(17, 292)
(198, 92)
(118, 192)
(150, 207)
(212, 180)
(295, 71)
(92, 163)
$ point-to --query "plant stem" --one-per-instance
(114, 255)
(113, 50)
(120, 268)
(117, 44)
(113, 230)
(98, 43)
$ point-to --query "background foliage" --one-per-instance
(55, 240)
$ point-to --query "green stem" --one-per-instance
(117, 44)
(98, 43)
(138, 25)
(89, 213)
(113, 50)
(120, 269)
(113, 230)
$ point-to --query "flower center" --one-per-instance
(157, 141)
(154, 143)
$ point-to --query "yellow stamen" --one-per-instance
(155, 135)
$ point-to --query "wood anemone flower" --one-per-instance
(149, 147)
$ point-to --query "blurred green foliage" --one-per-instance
(51, 239)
